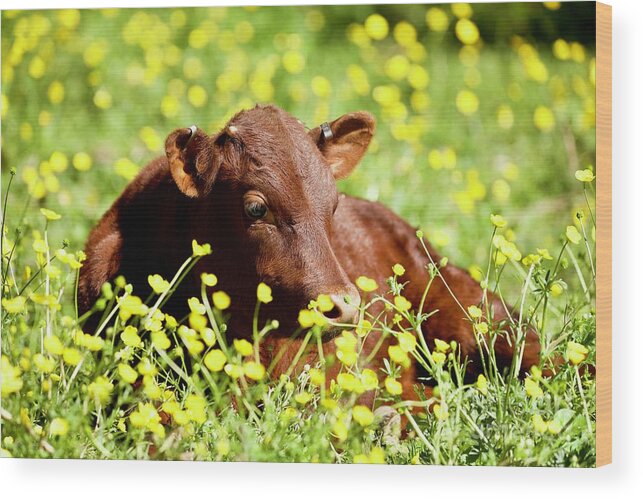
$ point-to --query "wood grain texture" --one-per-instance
(604, 234)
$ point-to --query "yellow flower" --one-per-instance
(306, 318)
(474, 312)
(399, 356)
(130, 337)
(146, 416)
(441, 346)
(209, 279)
(53, 345)
(369, 380)
(160, 340)
(56, 92)
(200, 249)
(294, 62)
(43, 364)
(363, 328)
(131, 305)
(376, 27)
(544, 252)
(50, 214)
(467, 102)
(214, 360)
(58, 427)
(482, 385)
(482, 327)
(467, 32)
(195, 405)
(14, 305)
(363, 415)
(573, 236)
(531, 259)
(317, 377)
(82, 161)
(498, 221)
(303, 398)
(100, 389)
(254, 370)
(11, 381)
(393, 386)
(539, 423)
(221, 300)
(233, 370)
(349, 382)
(401, 303)
(398, 270)
(127, 373)
(441, 411)
(244, 347)
(146, 367)
(437, 20)
(324, 303)
(347, 357)
(340, 430)
(151, 389)
(532, 388)
(407, 341)
(158, 284)
(544, 119)
(576, 353)
(197, 96)
(585, 175)
(72, 356)
(264, 293)
(438, 357)
(366, 284)
(556, 289)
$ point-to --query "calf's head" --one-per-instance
(269, 183)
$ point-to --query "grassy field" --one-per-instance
(473, 120)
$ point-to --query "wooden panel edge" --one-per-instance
(603, 234)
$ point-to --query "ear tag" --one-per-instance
(325, 128)
(192, 135)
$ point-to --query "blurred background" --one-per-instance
(481, 108)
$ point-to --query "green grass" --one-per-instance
(130, 77)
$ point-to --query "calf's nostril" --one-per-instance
(343, 311)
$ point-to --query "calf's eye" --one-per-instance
(255, 210)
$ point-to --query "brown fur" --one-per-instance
(312, 241)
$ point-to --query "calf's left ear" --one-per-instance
(193, 163)
(344, 141)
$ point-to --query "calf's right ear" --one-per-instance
(193, 165)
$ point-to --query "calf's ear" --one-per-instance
(344, 141)
(191, 155)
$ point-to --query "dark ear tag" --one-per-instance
(326, 131)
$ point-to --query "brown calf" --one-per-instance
(262, 193)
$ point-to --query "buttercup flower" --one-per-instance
(254, 370)
(393, 386)
(100, 389)
(209, 279)
(264, 293)
(220, 300)
(366, 284)
(363, 415)
(576, 353)
(158, 284)
(585, 175)
(214, 360)
(200, 249)
(244, 347)
(58, 427)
